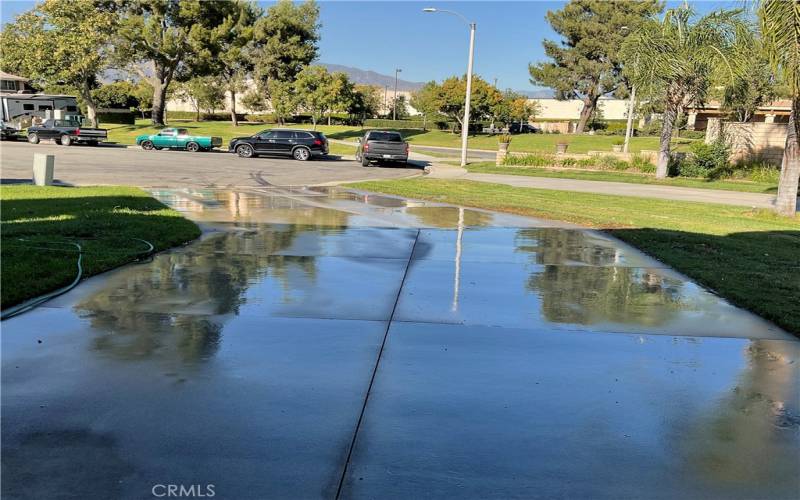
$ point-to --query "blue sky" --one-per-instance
(384, 35)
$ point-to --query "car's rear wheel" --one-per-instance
(301, 154)
(66, 140)
(147, 145)
(33, 138)
(244, 150)
(364, 161)
(193, 147)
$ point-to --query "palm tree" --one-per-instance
(676, 62)
(780, 28)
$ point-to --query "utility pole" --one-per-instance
(394, 106)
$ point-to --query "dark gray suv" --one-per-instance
(299, 144)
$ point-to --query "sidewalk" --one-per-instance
(756, 200)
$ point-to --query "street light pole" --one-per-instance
(394, 105)
(465, 123)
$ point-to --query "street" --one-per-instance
(86, 165)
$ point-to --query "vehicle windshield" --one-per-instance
(385, 136)
(70, 121)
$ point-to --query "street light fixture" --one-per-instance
(465, 123)
(394, 104)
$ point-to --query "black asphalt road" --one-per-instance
(86, 165)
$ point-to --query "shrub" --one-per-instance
(756, 170)
(393, 124)
(530, 160)
(191, 115)
(693, 134)
(609, 162)
(705, 159)
(652, 128)
(642, 163)
(261, 117)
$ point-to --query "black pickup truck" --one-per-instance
(66, 132)
(382, 145)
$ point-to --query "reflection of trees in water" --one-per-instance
(177, 303)
(449, 216)
(553, 245)
(750, 437)
(591, 294)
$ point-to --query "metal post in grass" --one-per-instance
(43, 167)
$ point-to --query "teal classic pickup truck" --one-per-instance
(178, 138)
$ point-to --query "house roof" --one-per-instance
(9, 76)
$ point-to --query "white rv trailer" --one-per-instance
(20, 111)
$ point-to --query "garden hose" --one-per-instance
(35, 302)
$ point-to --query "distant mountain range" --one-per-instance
(367, 77)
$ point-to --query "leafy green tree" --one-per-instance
(119, 95)
(400, 107)
(514, 108)
(780, 28)
(143, 93)
(312, 88)
(161, 40)
(450, 99)
(234, 38)
(587, 64)
(753, 86)
(204, 93)
(342, 93)
(677, 60)
(284, 42)
(365, 102)
(61, 43)
(425, 100)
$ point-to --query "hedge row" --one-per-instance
(123, 118)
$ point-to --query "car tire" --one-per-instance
(148, 145)
(33, 138)
(364, 161)
(192, 147)
(66, 140)
(244, 151)
(301, 154)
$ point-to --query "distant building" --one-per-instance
(12, 83)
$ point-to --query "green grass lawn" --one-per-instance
(38, 224)
(627, 177)
(749, 257)
(126, 134)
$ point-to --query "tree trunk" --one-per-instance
(786, 202)
(314, 120)
(91, 107)
(588, 110)
(662, 166)
(197, 117)
(234, 120)
(329, 118)
(159, 102)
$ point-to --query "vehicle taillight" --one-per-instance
(366, 147)
(317, 142)
(78, 132)
(407, 149)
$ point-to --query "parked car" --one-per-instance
(66, 132)
(299, 144)
(178, 138)
(516, 128)
(381, 145)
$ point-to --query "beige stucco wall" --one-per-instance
(553, 109)
(760, 140)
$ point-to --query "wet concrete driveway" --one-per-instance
(323, 343)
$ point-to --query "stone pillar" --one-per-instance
(43, 166)
(691, 118)
(713, 130)
(769, 118)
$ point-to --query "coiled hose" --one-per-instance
(37, 301)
